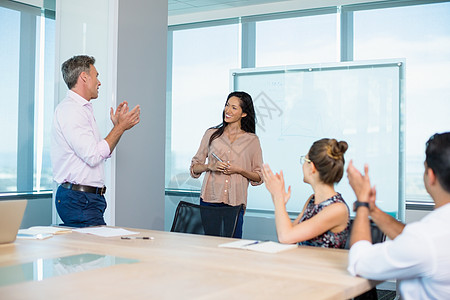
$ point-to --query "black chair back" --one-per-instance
(206, 220)
(377, 235)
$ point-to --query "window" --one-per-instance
(302, 40)
(202, 60)
(27, 54)
(43, 174)
(421, 35)
(209, 60)
(9, 85)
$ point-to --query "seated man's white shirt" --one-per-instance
(419, 258)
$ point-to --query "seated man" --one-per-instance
(417, 254)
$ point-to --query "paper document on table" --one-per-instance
(45, 230)
(37, 236)
(105, 231)
(260, 246)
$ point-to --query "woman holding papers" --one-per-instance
(324, 220)
(234, 157)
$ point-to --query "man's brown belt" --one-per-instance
(84, 188)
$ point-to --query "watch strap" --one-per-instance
(357, 204)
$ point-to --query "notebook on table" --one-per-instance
(11, 214)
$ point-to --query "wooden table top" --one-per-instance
(182, 266)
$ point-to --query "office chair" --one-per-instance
(377, 237)
(206, 220)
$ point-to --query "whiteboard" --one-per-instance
(358, 102)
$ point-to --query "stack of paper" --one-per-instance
(105, 231)
(37, 236)
(260, 246)
(41, 232)
(45, 230)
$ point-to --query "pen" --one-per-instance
(253, 243)
(218, 158)
(137, 237)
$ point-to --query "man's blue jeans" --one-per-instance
(240, 222)
(80, 209)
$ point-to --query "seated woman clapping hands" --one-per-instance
(324, 220)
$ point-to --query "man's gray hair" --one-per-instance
(73, 67)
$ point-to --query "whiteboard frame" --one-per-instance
(400, 63)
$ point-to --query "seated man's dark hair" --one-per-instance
(438, 158)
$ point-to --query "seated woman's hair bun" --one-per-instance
(336, 149)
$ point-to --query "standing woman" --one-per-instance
(324, 220)
(234, 157)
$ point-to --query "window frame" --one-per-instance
(26, 135)
(346, 35)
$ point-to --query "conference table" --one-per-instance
(169, 266)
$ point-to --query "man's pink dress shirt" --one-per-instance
(78, 152)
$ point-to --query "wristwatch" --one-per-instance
(357, 204)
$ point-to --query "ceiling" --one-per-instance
(179, 7)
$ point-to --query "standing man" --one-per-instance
(78, 152)
(418, 254)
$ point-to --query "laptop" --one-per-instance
(11, 214)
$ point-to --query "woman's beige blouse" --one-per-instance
(244, 152)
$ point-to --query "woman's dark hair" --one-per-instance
(328, 158)
(248, 123)
(438, 158)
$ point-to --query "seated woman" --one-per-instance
(325, 218)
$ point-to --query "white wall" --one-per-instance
(128, 38)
